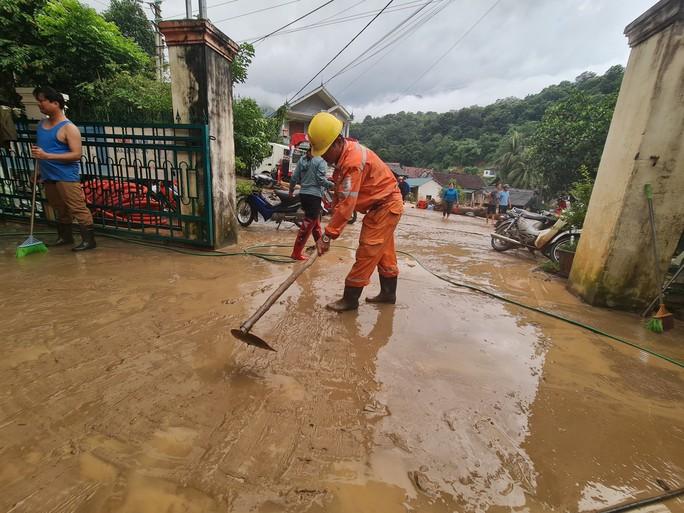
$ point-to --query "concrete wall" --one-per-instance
(430, 188)
(312, 105)
(614, 265)
(201, 87)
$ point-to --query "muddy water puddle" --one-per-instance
(123, 391)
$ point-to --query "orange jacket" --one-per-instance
(362, 182)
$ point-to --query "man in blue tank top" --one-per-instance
(58, 151)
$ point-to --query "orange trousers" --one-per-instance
(376, 245)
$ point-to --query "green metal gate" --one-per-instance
(144, 180)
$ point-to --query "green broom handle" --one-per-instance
(33, 200)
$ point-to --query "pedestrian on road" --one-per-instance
(364, 183)
(449, 197)
(534, 204)
(310, 175)
(404, 188)
(504, 200)
(58, 150)
(492, 203)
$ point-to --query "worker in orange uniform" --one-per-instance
(363, 183)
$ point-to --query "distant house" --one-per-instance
(424, 188)
(488, 174)
(470, 185)
(306, 107)
(519, 197)
(416, 172)
(396, 168)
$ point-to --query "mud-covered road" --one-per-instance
(122, 390)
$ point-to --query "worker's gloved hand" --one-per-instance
(322, 247)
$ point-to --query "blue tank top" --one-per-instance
(52, 169)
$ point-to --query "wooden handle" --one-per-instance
(247, 325)
(33, 197)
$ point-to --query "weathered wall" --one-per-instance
(224, 180)
(201, 87)
(614, 263)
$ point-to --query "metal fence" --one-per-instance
(146, 180)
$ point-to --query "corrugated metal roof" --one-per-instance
(417, 182)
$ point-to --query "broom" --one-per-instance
(32, 245)
(655, 324)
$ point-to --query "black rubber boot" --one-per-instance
(388, 291)
(88, 238)
(349, 301)
(65, 235)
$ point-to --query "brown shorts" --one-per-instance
(68, 201)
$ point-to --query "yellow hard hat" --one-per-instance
(323, 130)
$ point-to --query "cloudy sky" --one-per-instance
(433, 55)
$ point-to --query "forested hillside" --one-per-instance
(542, 140)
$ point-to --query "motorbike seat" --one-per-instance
(284, 198)
(535, 217)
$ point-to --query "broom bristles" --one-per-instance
(29, 246)
(655, 325)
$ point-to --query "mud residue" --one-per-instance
(122, 389)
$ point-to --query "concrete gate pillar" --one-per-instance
(614, 262)
(202, 92)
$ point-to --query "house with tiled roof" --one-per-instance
(416, 172)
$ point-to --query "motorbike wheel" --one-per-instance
(498, 244)
(559, 244)
(244, 212)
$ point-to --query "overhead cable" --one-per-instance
(343, 48)
(293, 22)
(256, 11)
(463, 36)
(335, 20)
(389, 46)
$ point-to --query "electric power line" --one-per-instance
(463, 36)
(293, 21)
(387, 35)
(208, 7)
(343, 19)
(402, 36)
(343, 48)
(256, 11)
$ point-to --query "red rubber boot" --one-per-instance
(302, 237)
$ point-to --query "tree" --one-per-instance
(19, 43)
(80, 46)
(510, 157)
(252, 132)
(444, 135)
(571, 135)
(129, 16)
(125, 97)
(241, 62)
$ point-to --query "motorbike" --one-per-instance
(544, 232)
(326, 206)
(275, 205)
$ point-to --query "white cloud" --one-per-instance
(520, 47)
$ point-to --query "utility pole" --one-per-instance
(155, 5)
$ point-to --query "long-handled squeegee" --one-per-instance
(243, 333)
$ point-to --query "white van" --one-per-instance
(270, 164)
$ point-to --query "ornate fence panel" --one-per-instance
(144, 180)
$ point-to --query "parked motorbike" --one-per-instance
(275, 205)
(543, 232)
(326, 206)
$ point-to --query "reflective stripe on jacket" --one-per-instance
(362, 182)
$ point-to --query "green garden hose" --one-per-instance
(251, 251)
